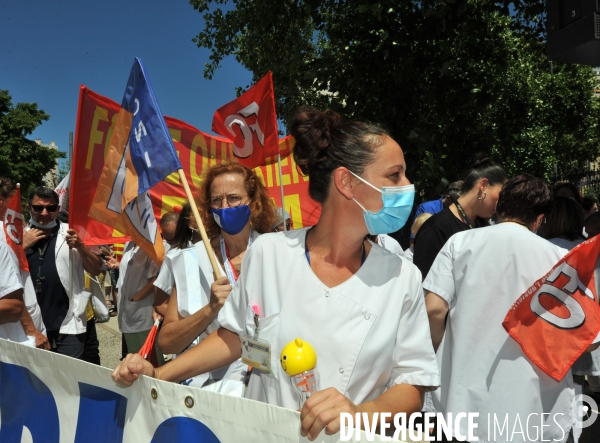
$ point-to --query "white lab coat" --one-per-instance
(135, 271)
(480, 273)
(370, 332)
(10, 281)
(29, 297)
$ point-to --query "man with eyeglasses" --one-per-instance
(47, 242)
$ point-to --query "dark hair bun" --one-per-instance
(325, 142)
(481, 161)
(313, 130)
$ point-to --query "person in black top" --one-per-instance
(46, 245)
(477, 203)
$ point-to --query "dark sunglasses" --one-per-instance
(40, 208)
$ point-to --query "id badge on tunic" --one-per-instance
(256, 353)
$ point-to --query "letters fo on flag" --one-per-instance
(13, 228)
(558, 317)
(250, 122)
(140, 155)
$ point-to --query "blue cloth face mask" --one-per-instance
(397, 205)
(232, 220)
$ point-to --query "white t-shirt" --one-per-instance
(10, 281)
(389, 243)
(370, 333)
(135, 271)
(480, 273)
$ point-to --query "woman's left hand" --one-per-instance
(322, 411)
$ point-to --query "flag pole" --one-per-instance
(281, 189)
(190, 197)
(70, 249)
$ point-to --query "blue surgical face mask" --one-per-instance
(232, 220)
(397, 205)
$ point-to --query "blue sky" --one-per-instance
(49, 48)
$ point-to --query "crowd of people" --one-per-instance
(395, 330)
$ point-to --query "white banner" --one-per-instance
(63, 192)
(49, 398)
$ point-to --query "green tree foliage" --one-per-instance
(447, 78)
(21, 159)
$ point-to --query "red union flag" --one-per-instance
(558, 317)
(250, 122)
(13, 228)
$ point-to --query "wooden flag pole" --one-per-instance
(209, 250)
(282, 194)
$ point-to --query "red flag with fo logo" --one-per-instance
(13, 228)
(250, 122)
(558, 317)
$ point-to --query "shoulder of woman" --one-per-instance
(278, 239)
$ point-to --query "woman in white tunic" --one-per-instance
(360, 306)
(476, 277)
(235, 208)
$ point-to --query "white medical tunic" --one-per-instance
(192, 276)
(480, 273)
(10, 281)
(135, 271)
(370, 332)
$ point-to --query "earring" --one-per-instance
(482, 198)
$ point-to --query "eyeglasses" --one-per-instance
(232, 200)
(40, 208)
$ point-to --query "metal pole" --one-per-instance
(282, 194)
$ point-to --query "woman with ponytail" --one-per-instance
(476, 204)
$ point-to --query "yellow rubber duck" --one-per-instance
(298, 356)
